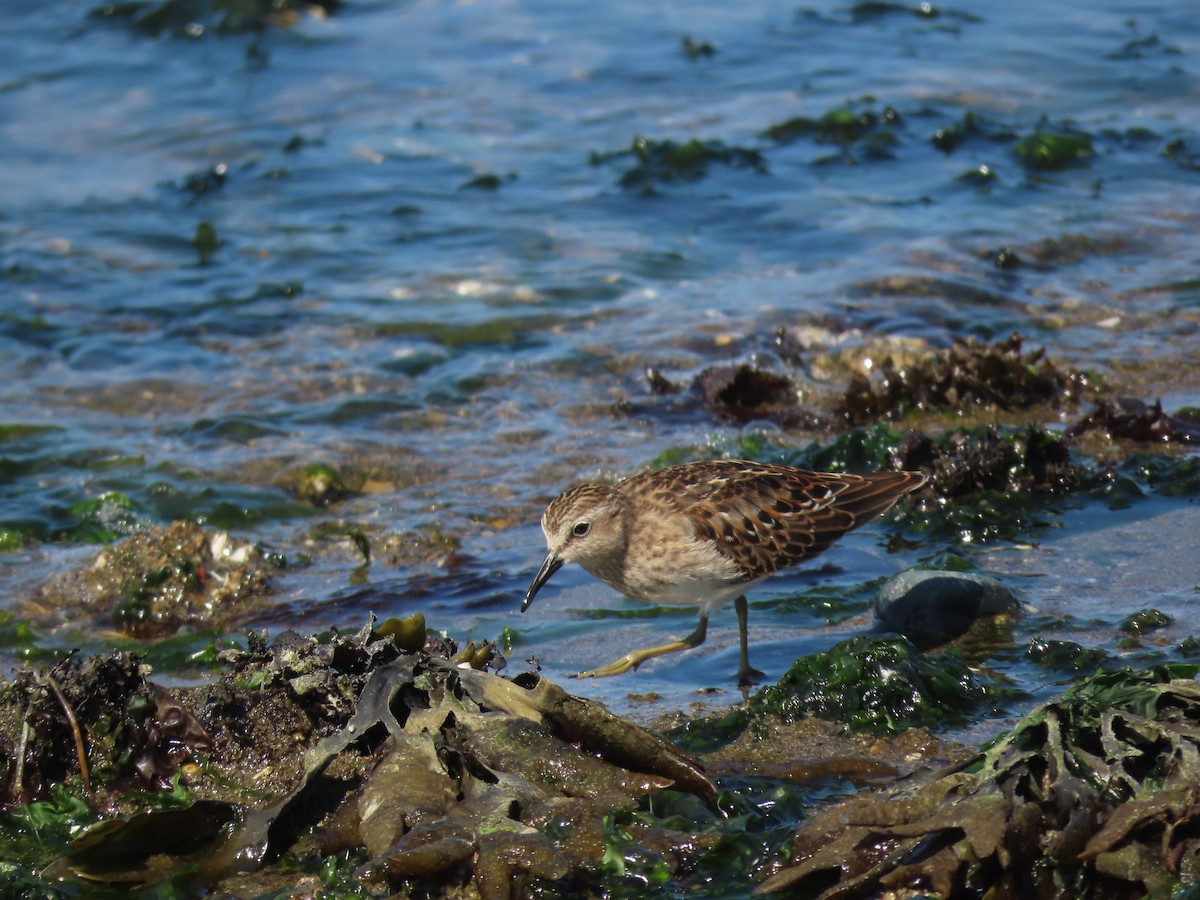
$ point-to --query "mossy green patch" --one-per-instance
(1166, 475)
(982, 176)
(1066, 656)
(1047, 151)
(664, 162)
(992, 483)
(843, 126)
(13, 432)
(1145, 620)
(14, 536)
(205, 241)
(236, 429)
(501, 331)
(37, 832)
(856, 450)
(877, 685)
(102, 519)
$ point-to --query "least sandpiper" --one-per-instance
(702, 533)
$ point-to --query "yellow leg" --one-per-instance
(637, 657)
(747, 675)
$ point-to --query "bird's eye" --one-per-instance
(581, 528)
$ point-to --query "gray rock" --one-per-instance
(930, 608)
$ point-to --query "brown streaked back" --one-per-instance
(766, 517)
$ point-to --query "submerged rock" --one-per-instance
(930, 608)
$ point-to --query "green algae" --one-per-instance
(1141, 46)
(1051, 151)
(659, 162)
(872, 685)
(206, 242)
(855, 450)
(878, 685)
(1066, 656)
(864, 449)
(513, 332)
(950, 137)
(985, 483)
(1006, 258)
(14, 536)
(992, 483)
(1177, 152)
(321, 484)
(632, 613)
(20, 639)
(103, 519)
(220, 506)
(238, 429)
(824, 604)
(1144, 620)
(982, 177)
(844, 126)
(1166, 475)
(157, 581)
(18, 431)
(36, 832)
(857, 133)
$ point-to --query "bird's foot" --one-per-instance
(624, 664)
(748, 676)
(637, 657)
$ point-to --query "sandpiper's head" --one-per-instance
(584, 524)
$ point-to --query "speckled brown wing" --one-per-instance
(768, 517)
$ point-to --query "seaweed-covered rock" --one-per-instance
(100, 709)
(663, 162)
(969, 374)
(1052, 151)
(153, 583)
(1092, 794)
(742, 392)
(857, 133)
(1135, 420)
(989, 483)
(875, 684)
(439, 772)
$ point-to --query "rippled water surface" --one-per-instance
(438, 266)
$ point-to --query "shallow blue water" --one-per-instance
(366, 300)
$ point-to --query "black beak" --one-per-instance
(550, 565)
